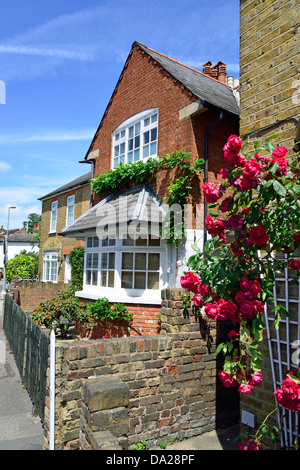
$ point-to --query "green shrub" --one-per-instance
(25, 265)
(103, 310)
(76, 258)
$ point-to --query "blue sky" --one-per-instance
(60, 62)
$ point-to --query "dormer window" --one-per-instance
(136, 138)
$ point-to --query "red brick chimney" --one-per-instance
(218, 71)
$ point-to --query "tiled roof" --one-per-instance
(207, 89)
(80, 181)
(135, 204)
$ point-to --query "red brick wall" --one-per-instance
(144, 85)
(29, 295)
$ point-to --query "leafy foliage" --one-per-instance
(76, 258)
(103, 310)
(25, 265)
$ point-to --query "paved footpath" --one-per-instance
(19, 429)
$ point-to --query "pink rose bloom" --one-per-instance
(245, 388)
(190, 282)
(245, 284)
(235, 222)
(211, 193)
(252, 445)
(212, 310)
(289, 396)
(294, 264)
(234, 143)
(246, 310)
(224, 173)
(258, 235)
(197, 301)
(242, 445)
(225, 205)
(232, 334)
(229, 155)
(240, 160)
(280, 152)
(256, 379)
(254, 290)
(252, 168)
(282, 162)
(227, 380)
(227, 310)
(215, 227)
(240, 298)
(296, 237)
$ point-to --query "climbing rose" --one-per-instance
(229, 155)
(280, 152)
(296, 237)
(227, 310)
(289, 394)
(235, 222)
(190, 282)
(211, 310)
(211, 193)
(215, 227)
(282, 162)
(225, 204)
(256, 378)
(294, 264)
(234, 143)
(242, 445)
(252, 445)
(227, 380)
(224, 173)
(252, 168)
(245, 388)
(247, 310)
(258, 235)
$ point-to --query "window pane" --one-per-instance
(88, 277)
(136, 155)
(130, 131)
(130, 144)
(127, 261)
(94, 277)
(130, 157)
(122, 134)
(104, 241)
(122, 159)
(153, 148)
(111, 278)
(104, 261)
(111, 261)
(153, 118)
(95, 261)
(117, 136)
(141, 241)
(136, 142)
(140, 280)
(153, 134)
(140, 261)
(122, 148)
(146, 151)
(89, 260)
(154, 241)
(126, 281)
(137, 128)
(146, 122)
(153, 281)
(95, 241)
(103, 279)
(146, 137)
(116, 151)
(153, 261)
(111, 241)
(116, 162)
(128, 241)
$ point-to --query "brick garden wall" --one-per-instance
(171, 378)
(28, 295)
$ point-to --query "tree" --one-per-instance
(33, 219)
(24, 265)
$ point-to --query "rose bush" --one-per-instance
(258, 205)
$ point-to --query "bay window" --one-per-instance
(50, 266)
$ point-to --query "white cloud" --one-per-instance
(4, 166)
(48, 136)
(45, 52)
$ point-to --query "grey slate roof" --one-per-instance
(22, 238)
(135, 204)
(80, 181)
(205, 88)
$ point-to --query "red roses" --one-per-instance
(258, 235)
(289, 394)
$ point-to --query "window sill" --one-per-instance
(122, 298)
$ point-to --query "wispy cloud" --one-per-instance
(45, 52)
(4, 166)
(47, 136)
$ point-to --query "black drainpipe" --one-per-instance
(206, 174)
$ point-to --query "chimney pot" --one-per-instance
(206, 68)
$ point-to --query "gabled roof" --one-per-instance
(139, 204)
(207, 89)
(80, 181)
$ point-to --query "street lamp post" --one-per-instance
(5, 246)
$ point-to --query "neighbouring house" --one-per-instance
(18, 240)
(158, 106)
(59, 209)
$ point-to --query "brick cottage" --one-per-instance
(158, 106)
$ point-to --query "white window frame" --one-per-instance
(117, 293)
(53, 219)
(70, 206)
(52, 258)
(134, 136)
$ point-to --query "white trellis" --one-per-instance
(281, 343)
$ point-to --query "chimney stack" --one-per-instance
(218, 71)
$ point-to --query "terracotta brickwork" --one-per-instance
(28, 295)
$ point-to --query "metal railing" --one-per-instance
(29, 345)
